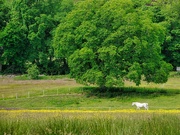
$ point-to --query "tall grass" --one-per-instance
(90, 122)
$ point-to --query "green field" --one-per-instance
(60, 106)
(65, 93)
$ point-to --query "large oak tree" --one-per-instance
(108, 41)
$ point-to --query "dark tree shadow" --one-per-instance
(128, 91)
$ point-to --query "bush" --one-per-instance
(33, 72)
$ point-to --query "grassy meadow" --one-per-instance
(78, 122)
(61, 92)
(60, 106)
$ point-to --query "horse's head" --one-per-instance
(133, 103)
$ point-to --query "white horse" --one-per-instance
(140, 105)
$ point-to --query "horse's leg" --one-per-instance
(146, 107)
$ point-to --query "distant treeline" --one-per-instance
(47, 32)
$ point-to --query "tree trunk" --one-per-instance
(0, 67)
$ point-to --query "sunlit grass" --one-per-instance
(67, 94)
(88, 122)
(91, 111)
(172, 83)
(42, 77)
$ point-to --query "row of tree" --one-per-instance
(26, 34)
(98, 41)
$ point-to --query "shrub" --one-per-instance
(33, 72)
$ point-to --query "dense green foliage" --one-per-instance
(99, 42)
(27, 34)
(110, 42)
(33, 72)
(168, 14)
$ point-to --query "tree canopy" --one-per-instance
(26, 36)
(102, 42)
(107, 42)
(171, 47)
